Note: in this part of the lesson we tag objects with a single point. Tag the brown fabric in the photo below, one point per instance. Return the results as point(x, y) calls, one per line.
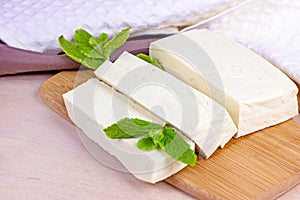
point(13, 60)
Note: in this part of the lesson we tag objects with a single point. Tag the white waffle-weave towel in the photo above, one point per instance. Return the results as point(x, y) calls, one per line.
point(36, 24)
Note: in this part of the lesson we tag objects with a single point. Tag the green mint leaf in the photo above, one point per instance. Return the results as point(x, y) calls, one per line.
point(82, 39)
point(169, 141)
point(176, 147)
point(138, 127)
point(156, 136)
point(94, 42)
point(129, 128)
point(115, 132)
point(149, 60)
point(92, 63)
point(188, 157)
point(71, 50)
point(147, 144)
point(115, 42)
point(103, 37)
point(74, 52)
point(91, 51)
point(97, 46)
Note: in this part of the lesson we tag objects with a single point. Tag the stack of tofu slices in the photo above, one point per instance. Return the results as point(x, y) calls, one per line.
point(210, 90)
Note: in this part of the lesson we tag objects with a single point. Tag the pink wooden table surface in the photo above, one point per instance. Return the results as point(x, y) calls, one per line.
point(41, 156)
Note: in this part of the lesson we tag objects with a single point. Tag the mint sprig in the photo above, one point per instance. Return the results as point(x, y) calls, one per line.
point(147, 144)
point(115, 42)
point(154, 136)
point(176, 147)
point(131, 128)
point(150, 60)
point(92, 51)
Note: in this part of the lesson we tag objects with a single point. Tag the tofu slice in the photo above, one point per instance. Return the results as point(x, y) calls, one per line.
point(197, 116)
point(94, 105)
point(255, 93)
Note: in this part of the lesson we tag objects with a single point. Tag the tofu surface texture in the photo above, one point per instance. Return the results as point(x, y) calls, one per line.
point(255, 93)
point(94, 105)
point(197, 116)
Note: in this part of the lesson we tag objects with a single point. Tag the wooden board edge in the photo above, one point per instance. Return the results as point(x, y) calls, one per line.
point(195, 192)
point(298, 85)
point(199, 193)
point(59, 107)
point(281, 189)
point(46, 99)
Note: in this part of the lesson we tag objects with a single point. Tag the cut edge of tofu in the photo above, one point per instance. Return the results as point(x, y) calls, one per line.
point(94, 130)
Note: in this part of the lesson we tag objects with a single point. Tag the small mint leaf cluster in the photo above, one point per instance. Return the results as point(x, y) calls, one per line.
point(153, 136)
point(92, 51)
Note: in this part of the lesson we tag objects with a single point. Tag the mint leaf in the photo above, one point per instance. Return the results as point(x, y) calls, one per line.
point(103, 37)
point(93, 42)
point(188, 157)
point(138, 127)
point(147, 144)
point(156, 136)
point(74, 52)
point(92, 63)
point(176, 147)
point(91, 51)
point(169, 141)
point(82, 39)
point(115, 42)
point(97, 46)
point(130, 128)
point(149, 60)
point(115, 132)
point(71, 50)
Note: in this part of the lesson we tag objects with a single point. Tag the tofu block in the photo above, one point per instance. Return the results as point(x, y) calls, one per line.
point(94, 105)
point(255, 93)
point(197, 116)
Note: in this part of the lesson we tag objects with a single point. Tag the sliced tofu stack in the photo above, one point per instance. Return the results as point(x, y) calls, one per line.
point(199, 117)
point(255, 93)
point(93, 106)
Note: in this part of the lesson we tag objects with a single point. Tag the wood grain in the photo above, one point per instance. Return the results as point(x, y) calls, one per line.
point(298, 96)
point(263, 165)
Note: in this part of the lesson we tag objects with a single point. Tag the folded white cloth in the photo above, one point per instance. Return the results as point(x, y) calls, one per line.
point(36, 24)
point(269, 27)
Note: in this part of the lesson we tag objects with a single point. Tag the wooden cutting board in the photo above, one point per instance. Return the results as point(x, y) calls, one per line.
point(262, 165)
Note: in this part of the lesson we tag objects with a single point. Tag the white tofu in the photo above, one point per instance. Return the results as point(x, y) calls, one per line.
point(93, 106)
point(255, 93)
point(197, 116)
